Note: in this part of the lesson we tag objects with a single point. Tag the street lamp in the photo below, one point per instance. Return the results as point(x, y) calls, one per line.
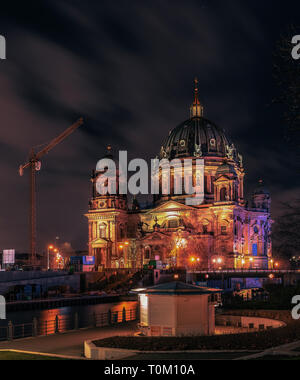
point(50, 248)
point(251, 261)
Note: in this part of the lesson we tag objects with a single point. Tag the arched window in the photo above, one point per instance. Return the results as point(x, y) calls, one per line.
point(147, 253)
point(223, 194)
point(224, 227)
point(102, 230)
point(205, 225)
point(173, 223)
point(121, 232)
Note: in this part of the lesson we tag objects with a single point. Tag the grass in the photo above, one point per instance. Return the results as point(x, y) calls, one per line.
point(10, 355)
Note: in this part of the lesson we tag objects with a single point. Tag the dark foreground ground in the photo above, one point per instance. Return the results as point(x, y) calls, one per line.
point(190, 356)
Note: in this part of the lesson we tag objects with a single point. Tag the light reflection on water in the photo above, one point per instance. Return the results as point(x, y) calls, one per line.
point(85, 312)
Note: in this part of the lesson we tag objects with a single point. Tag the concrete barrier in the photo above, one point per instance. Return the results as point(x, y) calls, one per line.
point(105, 353)
point(248, 322)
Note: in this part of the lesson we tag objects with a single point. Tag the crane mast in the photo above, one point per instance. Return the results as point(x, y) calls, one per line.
point(34, 165)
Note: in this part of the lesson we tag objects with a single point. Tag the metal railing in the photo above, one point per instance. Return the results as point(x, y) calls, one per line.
point(236, 270)
point(64, 323)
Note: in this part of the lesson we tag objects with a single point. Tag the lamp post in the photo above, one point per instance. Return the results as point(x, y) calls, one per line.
point(55, 250)
point(251, 261)
point(50, 248)
point(243, 262)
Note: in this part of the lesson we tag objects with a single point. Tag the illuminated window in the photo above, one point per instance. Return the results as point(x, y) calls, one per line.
point(147, 253)
point(223, 194)
point(223, 230)
point(144, 309)
point(121, 231)
point(254, 249)
point(102, 230)
point(173, 223)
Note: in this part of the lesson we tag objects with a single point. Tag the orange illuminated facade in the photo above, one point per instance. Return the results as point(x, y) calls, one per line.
point(225, 231)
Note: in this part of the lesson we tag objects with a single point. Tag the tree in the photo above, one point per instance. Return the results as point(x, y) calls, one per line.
point(197, 256)
point(286, 231)
point(286, 72)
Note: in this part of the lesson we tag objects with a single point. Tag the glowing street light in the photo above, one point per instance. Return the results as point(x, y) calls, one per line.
point(50, 248)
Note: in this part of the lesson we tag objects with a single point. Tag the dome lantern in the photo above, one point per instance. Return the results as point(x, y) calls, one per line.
point(196, 109)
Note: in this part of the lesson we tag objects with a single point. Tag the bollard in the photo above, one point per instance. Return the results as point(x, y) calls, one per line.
point(34, 327)
point(124, 315)
point(56, 325)
point(76, 321)
point(10, 330)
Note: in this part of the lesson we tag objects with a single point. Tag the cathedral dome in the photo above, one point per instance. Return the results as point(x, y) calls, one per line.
point(198, 137)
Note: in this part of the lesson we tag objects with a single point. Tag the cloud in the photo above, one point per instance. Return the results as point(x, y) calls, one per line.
point(128, 69)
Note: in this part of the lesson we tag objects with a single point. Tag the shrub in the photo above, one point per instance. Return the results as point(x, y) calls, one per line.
point(246, 341)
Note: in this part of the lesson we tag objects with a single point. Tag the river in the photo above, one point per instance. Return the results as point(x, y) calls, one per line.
point(85, 312)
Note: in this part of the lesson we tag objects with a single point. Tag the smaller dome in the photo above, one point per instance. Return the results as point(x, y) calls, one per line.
point(111, 156)
point(261, 189)
point(109, 153)
point(225, 168)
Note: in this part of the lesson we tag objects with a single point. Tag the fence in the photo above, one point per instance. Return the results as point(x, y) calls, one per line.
point(63, 323)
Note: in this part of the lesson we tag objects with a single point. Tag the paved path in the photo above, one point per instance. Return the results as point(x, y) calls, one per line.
point(289, 349)
point(70, 343)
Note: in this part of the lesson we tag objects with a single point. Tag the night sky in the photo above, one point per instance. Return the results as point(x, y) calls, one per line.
point(128, 67)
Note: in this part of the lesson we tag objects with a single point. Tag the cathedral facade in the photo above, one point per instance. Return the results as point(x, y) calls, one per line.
point(224, 232)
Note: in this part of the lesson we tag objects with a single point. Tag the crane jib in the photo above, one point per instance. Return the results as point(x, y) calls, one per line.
point(34, 164)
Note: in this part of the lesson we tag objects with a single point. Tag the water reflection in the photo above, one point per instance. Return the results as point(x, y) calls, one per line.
point(67, 318)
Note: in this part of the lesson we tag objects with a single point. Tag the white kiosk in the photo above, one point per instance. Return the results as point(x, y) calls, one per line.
point(177, 309)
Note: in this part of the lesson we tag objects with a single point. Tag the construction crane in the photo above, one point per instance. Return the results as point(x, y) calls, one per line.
point(34, 164)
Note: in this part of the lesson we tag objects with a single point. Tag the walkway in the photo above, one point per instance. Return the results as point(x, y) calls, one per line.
point(70, 343)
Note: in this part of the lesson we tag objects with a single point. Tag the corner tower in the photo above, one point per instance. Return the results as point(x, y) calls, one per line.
point(107, 222)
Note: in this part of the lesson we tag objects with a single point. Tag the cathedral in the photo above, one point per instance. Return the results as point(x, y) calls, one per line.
point(224, 232)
